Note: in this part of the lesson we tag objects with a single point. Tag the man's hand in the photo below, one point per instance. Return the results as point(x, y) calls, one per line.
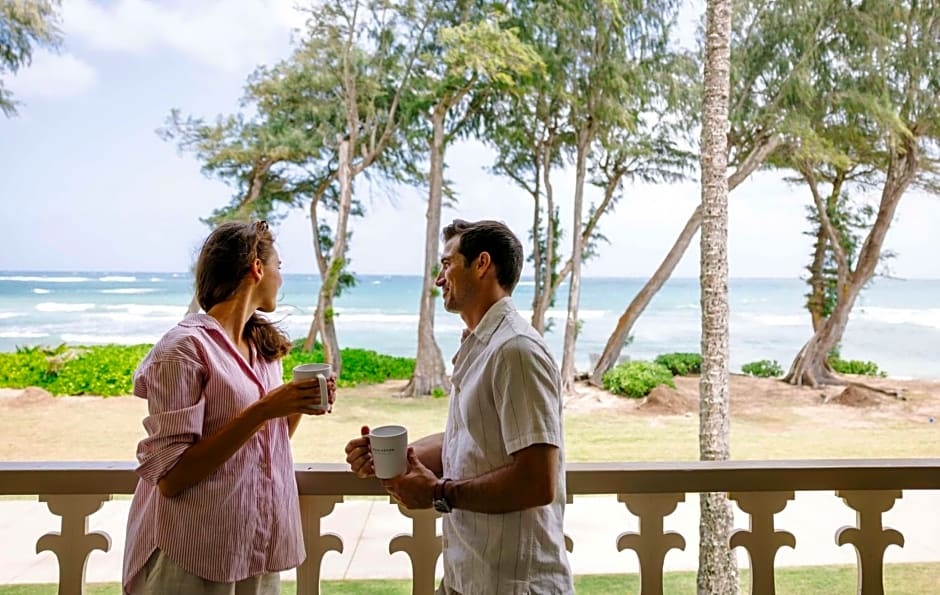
point(359, 456)
point(415, 487)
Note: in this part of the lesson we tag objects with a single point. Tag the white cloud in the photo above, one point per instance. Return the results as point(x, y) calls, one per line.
point(233, 35)
point(53, 75)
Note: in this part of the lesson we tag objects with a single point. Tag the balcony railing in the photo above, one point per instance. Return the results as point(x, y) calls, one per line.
point(650, 491)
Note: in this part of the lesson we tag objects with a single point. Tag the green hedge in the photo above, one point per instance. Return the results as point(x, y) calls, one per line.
point(680, 364)
point(636, 379)
point(764, 368)
point(360, 366)
point(108, 370)
point(854, 366)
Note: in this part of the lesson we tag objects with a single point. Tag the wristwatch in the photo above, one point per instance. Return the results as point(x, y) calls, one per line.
point(440, 499)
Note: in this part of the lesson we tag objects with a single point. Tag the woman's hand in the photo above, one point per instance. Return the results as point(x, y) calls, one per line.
point(300, 396)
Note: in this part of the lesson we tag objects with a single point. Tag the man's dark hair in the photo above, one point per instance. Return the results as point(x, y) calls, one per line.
point(494, 238)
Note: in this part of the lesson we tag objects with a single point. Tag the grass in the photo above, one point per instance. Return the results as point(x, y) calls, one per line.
point(899, 579)
point(603, 437)
point(54, 431)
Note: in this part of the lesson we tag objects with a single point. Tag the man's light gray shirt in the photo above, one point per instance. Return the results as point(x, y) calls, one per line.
point(506, 396)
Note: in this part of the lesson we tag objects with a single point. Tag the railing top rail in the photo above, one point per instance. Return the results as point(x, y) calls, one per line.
point(26, 478)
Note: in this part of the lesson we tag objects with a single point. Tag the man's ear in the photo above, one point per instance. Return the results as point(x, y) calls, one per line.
point(483, 264)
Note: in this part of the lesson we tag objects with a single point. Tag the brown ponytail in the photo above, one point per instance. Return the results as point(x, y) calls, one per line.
point(224, 261)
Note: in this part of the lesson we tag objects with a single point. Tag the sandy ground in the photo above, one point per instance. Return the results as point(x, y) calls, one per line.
point(88, 426)
point(755, 398)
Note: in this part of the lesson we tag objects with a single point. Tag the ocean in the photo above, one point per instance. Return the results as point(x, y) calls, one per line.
point(896, 323)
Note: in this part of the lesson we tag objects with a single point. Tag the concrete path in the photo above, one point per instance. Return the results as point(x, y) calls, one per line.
point(593, 522)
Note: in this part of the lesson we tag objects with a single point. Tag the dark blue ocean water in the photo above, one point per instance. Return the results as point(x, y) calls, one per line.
point(896, 323)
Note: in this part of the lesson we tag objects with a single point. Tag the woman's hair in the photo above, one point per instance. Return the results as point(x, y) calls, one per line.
point(225, 259)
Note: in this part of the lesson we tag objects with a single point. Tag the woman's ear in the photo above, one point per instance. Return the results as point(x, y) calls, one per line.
point(257, 269)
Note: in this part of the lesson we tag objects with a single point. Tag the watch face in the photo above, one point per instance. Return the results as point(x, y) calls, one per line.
point(441, 505)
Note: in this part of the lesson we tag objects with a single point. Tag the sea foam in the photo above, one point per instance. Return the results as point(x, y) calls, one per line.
point(58, 307)
point(32, 279)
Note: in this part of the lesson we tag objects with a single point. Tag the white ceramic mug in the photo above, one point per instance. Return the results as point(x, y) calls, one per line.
point(389, 445)
point(321, 372)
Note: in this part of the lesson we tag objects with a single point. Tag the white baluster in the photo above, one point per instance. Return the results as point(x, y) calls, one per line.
point(312, 511)
point(650, 543)
point(762, 541)
point(868, 536)
point(73, 544)
point(423, 546)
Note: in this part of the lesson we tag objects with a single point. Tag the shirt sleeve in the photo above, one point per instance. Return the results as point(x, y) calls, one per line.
point(174, 393)
point(528, 395)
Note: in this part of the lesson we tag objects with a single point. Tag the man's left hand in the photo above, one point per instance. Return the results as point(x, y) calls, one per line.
point(415, 487)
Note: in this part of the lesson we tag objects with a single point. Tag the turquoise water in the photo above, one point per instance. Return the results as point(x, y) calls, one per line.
point(896, 323)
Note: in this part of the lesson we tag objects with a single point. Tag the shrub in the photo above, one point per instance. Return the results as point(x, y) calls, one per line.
point(637, 379)
point(26, 367)
point(108, 370)
point(105, 370)
point(360, 366)
point(854, 366)
point(681, 364)
point(764, 368)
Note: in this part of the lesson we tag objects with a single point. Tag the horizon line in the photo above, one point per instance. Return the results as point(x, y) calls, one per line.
point(384, 274)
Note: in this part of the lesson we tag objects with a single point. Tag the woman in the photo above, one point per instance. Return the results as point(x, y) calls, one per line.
point(216, 509)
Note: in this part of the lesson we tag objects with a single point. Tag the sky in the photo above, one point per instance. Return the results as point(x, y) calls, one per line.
point(89, 186)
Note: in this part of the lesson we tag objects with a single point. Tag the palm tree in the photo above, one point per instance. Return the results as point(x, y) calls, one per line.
point(717, 571)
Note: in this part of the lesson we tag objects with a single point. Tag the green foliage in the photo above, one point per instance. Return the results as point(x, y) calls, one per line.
point(764, 368)
point(859, 367)
point(360, 366)
point(108, 370)
point(438, 392)
point(637, 379)
point(24, 25)
point(105, 370)
point(681, 364)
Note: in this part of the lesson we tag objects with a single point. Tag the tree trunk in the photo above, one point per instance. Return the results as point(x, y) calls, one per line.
point(543, 294)
point(577, 248)
point(717, 572)
point(538, 322)
point(430, 372)
point(327, 329)
point(817, 280)
point(324, 317)
point(615, 343)
point(638, 305)
point(811, 365)
point(321, 266)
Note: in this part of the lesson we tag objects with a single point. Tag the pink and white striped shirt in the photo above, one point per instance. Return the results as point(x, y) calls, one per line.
point(244, 518)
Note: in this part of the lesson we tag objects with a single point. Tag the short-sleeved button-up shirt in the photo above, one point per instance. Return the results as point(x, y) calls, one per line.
point(506, 396)
point(243, 519)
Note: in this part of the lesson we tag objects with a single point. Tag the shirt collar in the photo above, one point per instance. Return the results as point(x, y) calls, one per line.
point(493, 318)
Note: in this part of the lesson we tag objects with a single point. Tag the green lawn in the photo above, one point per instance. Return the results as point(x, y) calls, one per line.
point(900, 579)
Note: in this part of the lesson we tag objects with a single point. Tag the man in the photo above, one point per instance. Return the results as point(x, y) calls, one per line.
point(497, 472)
